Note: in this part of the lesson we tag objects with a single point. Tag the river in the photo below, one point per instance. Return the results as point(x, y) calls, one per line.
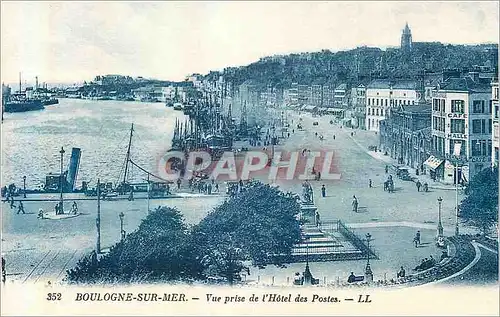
point(31, 141)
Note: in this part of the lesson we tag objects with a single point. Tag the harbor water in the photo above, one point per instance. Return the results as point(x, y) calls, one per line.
point(31, 141)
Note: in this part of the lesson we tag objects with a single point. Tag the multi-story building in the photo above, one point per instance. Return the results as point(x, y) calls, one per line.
point(316, 96)
point(303, 94)
point(461, 118)
point(382, 94)
point(328, 96)
point(340, 96)
point(495, 135)
point(405, 134)
point(357, 104)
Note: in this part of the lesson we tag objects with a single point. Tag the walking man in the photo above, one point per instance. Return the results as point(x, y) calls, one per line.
point(418, 237)
point(370, 182)
point(386, 169)
point(318, 220)
point(323, 190)
point(178, 183)
point(354, 203)
point(418, 185)
point(20, 208)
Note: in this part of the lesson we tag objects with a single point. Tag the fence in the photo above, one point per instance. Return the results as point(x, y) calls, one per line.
point(349, 234)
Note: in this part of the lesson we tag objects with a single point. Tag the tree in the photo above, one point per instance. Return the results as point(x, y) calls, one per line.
point(259, 225)
point(159, 249)
point(480, 207)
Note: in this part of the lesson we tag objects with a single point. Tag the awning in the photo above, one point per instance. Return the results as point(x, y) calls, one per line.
point(433, 162)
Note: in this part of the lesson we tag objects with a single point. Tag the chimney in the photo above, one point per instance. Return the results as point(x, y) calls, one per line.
point(36, 82)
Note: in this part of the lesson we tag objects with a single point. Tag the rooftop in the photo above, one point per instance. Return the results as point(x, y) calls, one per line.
point(466, 84)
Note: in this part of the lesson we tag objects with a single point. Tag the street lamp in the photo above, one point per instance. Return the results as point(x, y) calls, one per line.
point(24, 186)
point(122, 232)
point(61, 206)
point(440, 225)
point(368, 270)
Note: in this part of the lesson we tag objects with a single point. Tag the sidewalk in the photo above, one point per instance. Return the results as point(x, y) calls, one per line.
point(423, 178)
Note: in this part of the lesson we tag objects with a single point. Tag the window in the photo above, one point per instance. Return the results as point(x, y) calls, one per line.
point(489, 148)
point(435, 104)
point(496, 94)
point(478, 106)
point(457, 126)
point(413, 102)
point(476, 126)
point(442, 105)
point(452, 146)
point(377, 101)
point(476, 147)
point(386, 102)
point(496, 111)
point(382, 111)
point(483, 126)
point(377, 112)
point(457, 106)
point(490, 126)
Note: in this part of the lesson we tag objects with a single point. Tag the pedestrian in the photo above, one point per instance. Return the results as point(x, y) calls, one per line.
point(210, 189)
point(323, 190)
point(354, 203)
point(334, 136)
point(318, 176)
point(415, 242)
point(4, 273)
point(352, 134)
point(289, 134)
point(418, 184)
point(401, 272)
point(20, 208)
point(318, 220)
point(386, 169)
point(40, 213)
point(293, 130)
point(56, 208)
point(418, 236)
point(426, 187)
point(370, 182)
point(178, 183)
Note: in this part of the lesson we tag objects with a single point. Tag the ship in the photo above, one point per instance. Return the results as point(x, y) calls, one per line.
point(22, 104)
point(50, 101)
point(22, 101)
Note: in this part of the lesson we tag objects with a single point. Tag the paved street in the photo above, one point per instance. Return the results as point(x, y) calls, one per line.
point(357, 166)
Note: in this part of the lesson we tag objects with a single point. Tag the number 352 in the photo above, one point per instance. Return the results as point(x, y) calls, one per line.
point(54, 296)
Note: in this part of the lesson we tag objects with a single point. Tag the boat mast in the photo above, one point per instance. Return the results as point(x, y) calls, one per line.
point(128, 154)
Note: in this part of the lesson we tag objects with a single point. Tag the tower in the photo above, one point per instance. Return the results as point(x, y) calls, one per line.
point(406, 41)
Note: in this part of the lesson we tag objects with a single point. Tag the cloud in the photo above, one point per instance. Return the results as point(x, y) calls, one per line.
point(62, 41)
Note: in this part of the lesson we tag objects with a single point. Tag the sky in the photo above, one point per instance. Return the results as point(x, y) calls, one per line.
point(74, 41)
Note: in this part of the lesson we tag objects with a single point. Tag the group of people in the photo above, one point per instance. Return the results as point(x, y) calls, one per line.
point(203, 187)
point(425, 186)
point(426, 263)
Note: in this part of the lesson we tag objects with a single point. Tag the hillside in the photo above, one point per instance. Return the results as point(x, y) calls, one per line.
point(362, 63)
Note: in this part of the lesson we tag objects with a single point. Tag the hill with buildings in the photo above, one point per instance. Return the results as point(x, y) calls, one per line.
point(363, 64)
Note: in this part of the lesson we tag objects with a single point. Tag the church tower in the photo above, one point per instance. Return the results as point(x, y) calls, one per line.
point(406, 41)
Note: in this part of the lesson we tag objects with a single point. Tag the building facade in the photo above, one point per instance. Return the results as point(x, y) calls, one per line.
point(495, 135)
point(384, 94)
point(406, 134)
point(461, 117)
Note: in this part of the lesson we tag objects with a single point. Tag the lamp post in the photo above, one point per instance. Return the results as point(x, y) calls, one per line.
point(122, 232)
point(440, 225)
point(368, 270)
point(24, 186)
point(61, 206)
